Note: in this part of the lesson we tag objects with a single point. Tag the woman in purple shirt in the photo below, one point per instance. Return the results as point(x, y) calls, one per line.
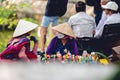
point(63, 42)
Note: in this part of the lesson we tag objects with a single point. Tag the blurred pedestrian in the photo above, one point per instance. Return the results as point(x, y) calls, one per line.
point(54, 10)
point(97, 9)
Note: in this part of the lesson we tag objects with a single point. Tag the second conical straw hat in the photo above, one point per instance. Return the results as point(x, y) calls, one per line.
point(64, 28)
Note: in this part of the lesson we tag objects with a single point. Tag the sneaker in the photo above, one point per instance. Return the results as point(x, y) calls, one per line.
point(41, 54)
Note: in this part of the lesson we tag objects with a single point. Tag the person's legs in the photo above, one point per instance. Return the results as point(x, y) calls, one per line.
point(43, 32)
point(54, 23)
point(98, 14)
point(45, 23)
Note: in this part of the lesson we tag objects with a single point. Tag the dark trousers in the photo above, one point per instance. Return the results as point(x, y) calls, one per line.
point(95, 45)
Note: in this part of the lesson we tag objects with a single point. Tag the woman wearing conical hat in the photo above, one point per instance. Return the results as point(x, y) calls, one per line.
point(63, 42)
point(18, 48)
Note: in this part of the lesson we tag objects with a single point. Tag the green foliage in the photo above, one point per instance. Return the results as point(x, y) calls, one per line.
point(8, 16)
point(31, 20)
point(2, 46)
point(24, 5)
point(4, 39)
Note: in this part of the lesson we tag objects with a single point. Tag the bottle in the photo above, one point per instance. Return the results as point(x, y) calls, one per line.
point(93, 57)
point(84, 56)
point(84, 53)
point(63, 59)
point(69, 56)
point(90, 59)
point(59, 56)
point(73, 58)
point(87, 58)
point(54, 58)
point(47, 58)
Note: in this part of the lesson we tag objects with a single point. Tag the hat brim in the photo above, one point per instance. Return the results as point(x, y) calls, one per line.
point(24, 27)
point(104, 7)
point(64, 28)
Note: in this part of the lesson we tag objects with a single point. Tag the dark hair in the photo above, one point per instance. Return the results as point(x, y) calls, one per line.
point(80, 6)
point(113, 11)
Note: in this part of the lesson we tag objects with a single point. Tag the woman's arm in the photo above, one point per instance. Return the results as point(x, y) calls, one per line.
point(51, 46)
point(35, 47)
point(23, 57)
point(74, 48)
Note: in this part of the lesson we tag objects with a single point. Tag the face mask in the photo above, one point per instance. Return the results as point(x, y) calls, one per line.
point(60, 35)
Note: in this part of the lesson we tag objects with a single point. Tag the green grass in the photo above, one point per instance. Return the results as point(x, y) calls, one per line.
point(5, 36)
point(4, 39)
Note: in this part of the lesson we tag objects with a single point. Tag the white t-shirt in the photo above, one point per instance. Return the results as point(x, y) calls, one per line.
point(112, 19)
point(82, 24)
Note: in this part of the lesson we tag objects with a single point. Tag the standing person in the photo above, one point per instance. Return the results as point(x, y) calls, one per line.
point(97, 9)
point(54, 10)
point(18, 48)
point(83, 25)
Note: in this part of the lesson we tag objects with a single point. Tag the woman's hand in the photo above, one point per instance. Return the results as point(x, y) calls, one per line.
point(33, 38)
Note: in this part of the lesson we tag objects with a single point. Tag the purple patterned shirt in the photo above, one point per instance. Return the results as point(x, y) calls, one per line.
point(56, 45)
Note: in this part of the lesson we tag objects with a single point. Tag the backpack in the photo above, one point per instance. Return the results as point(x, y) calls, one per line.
point(12, 51)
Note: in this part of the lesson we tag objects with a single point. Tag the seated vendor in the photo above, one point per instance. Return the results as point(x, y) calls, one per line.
point(63, 42)
point(19, 48)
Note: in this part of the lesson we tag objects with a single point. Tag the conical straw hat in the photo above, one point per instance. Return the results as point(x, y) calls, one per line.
point(64, 28)
point(23, 27)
